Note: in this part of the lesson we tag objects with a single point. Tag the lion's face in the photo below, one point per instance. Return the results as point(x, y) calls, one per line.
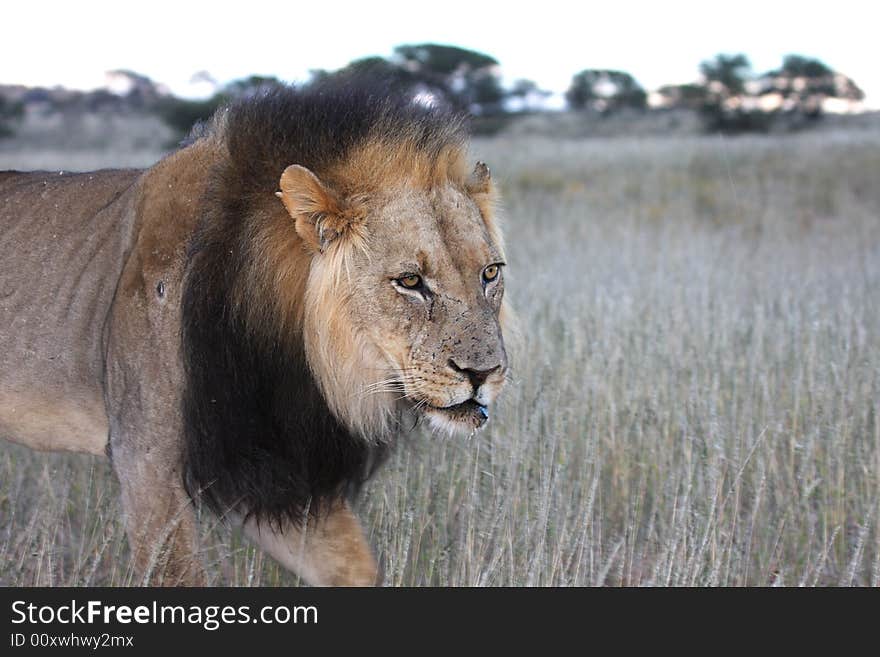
point(428, 293)
point(403, 301)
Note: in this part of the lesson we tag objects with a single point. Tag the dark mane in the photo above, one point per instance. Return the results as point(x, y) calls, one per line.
point(319, 126)
point(259, 436)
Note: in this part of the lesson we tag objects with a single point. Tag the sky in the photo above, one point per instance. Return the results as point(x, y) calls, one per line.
point(73, 43)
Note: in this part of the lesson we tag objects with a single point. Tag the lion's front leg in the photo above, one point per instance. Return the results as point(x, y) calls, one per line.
point(330, 550)
point(159, 519)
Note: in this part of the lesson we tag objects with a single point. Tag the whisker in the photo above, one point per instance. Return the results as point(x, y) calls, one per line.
point(391, 369)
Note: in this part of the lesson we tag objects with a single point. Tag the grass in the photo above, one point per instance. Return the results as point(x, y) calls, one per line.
point(696, 396)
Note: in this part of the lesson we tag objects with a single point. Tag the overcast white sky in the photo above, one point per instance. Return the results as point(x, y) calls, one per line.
point(73, 43)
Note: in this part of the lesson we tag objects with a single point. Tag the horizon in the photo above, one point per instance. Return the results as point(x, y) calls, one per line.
point(664, 45)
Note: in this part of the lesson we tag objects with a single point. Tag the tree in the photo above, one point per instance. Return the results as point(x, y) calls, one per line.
point(683, 96)
point(726, 75)
point(464, 79)
point(249, 86)
point(10, 113)
point(138, 90)
point(443, 60)
point(803, 84)
point(182, 114)
point(605, 91)
point(395, 77)
point(786, 98)
point(471, 78)
point(525, 95)
point(727, 106)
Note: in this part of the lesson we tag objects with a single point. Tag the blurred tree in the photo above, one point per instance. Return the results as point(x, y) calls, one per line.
point(443, 60)
point(683, 96)
point(375, 65)
point(138, 90)
point(182, 114)
point(803, 84)
point(605, 91)
point(471, 78)
point(726, 75)
point(726, 107)
point(784, 99)
point(522, 88)
point(10, 113)
point(395, 76)
point(806, 67)
point(525, 96)
point(437, 74)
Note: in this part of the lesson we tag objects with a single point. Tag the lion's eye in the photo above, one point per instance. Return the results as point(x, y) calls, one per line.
point(411, 281)
point(490, 273)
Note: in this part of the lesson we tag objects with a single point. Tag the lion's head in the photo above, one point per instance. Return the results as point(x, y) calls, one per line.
point(405, 289)
point(369, 286)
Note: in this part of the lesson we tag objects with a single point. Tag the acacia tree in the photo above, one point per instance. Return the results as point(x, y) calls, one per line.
point(605, 91)
point(785, 98)
point(804, 84)
point(471, 79)
point(725, 81)
point(464, 79)
point(726, 75)
point(393, 78)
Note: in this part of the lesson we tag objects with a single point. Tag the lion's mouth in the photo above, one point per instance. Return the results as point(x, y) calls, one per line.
point(469, 412)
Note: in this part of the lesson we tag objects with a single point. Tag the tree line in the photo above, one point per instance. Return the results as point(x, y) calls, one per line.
point(729, 96)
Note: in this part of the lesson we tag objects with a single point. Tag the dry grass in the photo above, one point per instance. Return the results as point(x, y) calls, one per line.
point(696, 400)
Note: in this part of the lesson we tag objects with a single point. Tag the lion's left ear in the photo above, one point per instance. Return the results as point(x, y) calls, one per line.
point(314, 207)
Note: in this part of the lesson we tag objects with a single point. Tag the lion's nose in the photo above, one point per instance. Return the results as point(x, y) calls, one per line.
point(476, 377)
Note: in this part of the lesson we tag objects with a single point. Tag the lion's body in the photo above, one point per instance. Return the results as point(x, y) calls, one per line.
point(84, 253)
point(63, 238)
point(201, 333)
point(89, 352)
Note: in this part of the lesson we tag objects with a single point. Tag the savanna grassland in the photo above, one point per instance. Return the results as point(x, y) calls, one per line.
point(695, 400)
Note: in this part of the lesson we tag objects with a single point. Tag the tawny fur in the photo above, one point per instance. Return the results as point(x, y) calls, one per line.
point(93, 273)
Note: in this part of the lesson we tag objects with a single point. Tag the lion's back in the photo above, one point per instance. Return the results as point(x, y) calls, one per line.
point(63, 240)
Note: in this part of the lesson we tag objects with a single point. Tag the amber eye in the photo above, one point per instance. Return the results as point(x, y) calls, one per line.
point(490, 273)
point(411, 281)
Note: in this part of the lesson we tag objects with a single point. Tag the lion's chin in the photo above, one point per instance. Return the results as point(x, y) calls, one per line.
point(464, 418)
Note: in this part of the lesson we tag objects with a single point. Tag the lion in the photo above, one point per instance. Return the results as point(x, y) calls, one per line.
point(251, 323)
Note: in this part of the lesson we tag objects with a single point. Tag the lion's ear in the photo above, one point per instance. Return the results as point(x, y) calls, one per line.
point(479, 186)
point(479, 183)
point(313, 206)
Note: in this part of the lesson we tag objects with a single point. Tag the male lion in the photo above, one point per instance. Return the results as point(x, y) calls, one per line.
point(250, 348)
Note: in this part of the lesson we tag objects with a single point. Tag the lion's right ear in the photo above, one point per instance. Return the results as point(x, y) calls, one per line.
point(479, 183)
point(313, 206)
